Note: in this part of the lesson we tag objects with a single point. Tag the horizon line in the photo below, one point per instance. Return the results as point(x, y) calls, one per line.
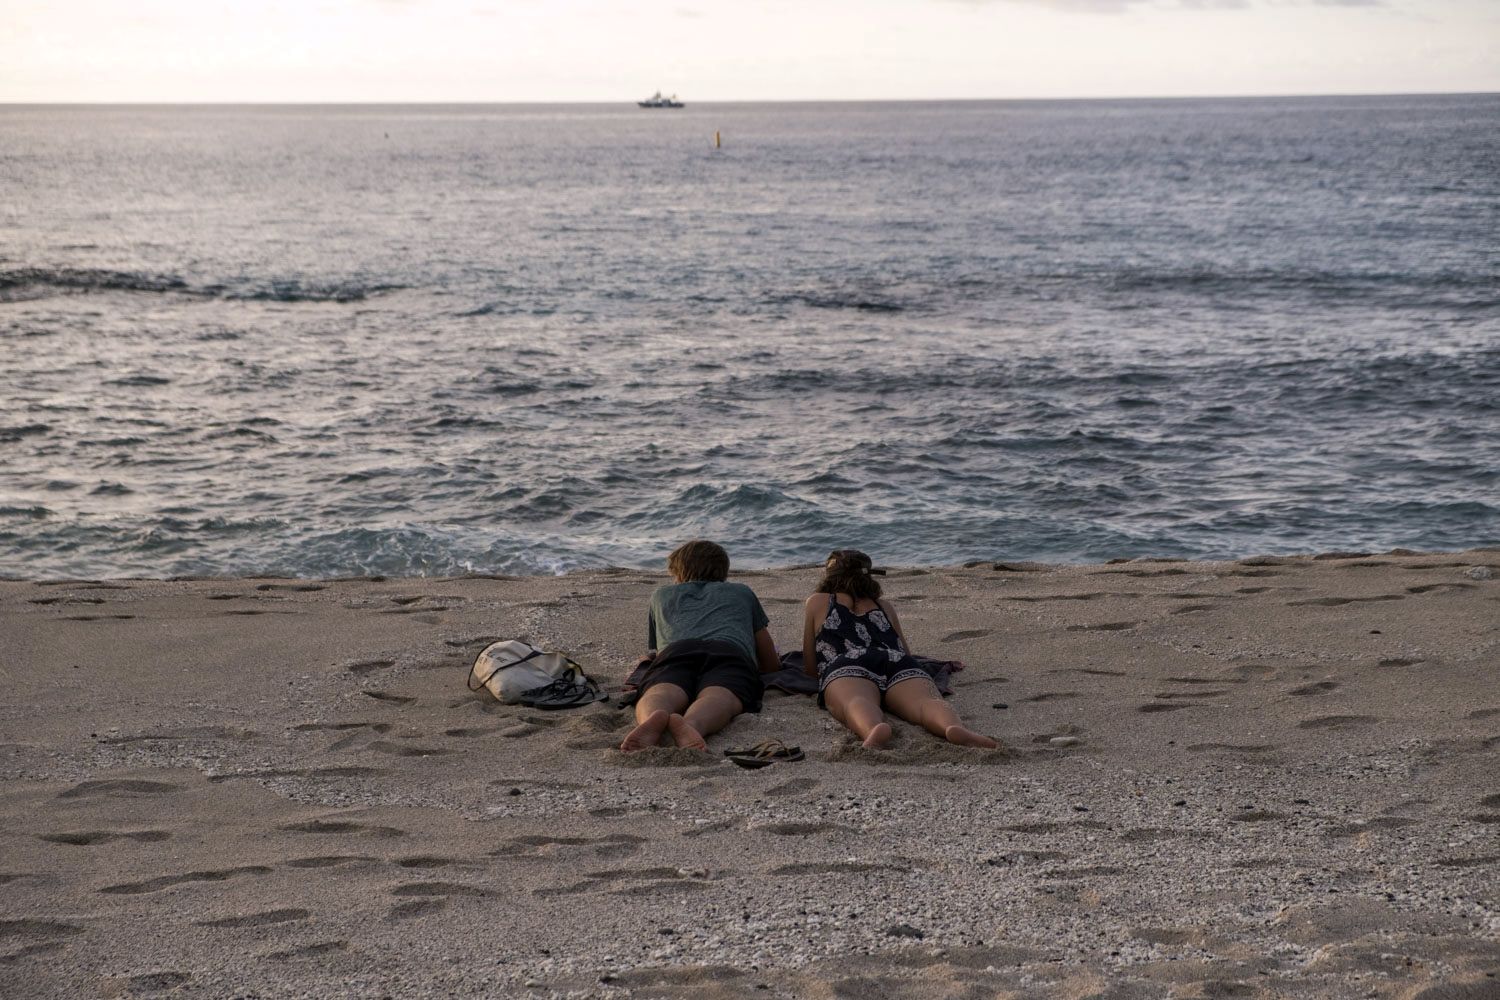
point(724, 101)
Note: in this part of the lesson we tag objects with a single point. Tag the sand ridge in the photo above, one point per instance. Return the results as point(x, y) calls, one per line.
point(1270, 777)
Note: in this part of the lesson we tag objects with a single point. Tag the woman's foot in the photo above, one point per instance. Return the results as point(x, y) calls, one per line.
point(878, 736)
point(960, 736)
point(648, 733)
point(685, 735)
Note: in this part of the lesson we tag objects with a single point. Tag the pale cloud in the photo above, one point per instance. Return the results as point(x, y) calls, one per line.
point(1120, 6)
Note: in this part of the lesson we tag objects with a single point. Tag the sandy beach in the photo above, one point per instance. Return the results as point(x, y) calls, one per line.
point(1283, 781)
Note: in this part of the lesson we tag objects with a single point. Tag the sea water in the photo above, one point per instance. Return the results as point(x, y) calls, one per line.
point(431, 339)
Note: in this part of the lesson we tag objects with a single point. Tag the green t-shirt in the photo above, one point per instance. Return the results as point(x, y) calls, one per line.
point(704, 609)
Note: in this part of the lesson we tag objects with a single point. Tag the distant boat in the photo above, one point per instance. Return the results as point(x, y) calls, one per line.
point(658, 101)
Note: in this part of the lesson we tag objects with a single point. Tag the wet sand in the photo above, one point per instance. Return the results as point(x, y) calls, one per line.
point(1281, 778)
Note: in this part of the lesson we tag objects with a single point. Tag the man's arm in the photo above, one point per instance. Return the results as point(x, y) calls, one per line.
point(765, 652)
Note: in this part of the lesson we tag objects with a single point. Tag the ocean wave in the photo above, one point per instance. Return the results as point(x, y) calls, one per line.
point(29, 283)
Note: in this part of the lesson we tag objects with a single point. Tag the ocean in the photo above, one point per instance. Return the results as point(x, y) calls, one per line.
point(414, 340)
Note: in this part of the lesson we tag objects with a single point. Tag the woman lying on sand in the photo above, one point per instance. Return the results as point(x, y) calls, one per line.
point(852, 642)
point(714, 646)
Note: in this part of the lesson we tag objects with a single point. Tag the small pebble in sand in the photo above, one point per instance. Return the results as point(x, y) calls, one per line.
point(904, 930)
point(1064, 741)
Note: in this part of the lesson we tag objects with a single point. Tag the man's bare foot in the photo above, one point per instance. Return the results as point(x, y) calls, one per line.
point(685, 735)
point(878, 737)
point(968, 738)
point(647, 734)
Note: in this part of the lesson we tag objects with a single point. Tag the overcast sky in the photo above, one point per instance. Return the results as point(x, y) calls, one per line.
point(712, 50)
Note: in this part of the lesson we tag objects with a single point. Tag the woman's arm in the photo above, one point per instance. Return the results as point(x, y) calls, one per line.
point(890, 612)
point(810, 633)
point(765, 652)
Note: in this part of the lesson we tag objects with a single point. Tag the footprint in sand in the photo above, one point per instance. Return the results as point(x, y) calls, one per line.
point(426, 861)
point(416, 908)
point(341, 826)
point(1483, 713)
point(318, 950)
point(1188, 608)
point(796, 786)
point(1369, 826)
point(622, 843)
point(11, 930)
point(1104, 627)
point(167, 881)
point(1190, 694)
point(337, 727)
point(1053, 696)
point(331, 861)
point(978, 633)
point(389, 699)
point(156, 982)
point(301, 772)
point(1490, 802)
point(368, 666)
point(1204, 680)
point(840, 868)
point(1048, 826)
point(87, 838)
point(97, 618)
point(801, 829)
point(1429, 588)
point(470, 733)
point(1399, 662)
point(1480, 861)
point(115, 787)
point(407, 750)
point(1334, 602)
point(1321, 687)
point(1256, 816)
point(264, 919)
point(441, 889)
point(1157, 706)
point(1337, 722)
point(1240, 748)
point(1151, 835)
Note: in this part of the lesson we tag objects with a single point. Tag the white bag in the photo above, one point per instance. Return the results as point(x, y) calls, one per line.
point(509, 668)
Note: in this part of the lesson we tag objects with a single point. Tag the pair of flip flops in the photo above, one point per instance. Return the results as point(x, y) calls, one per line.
point(565, 692)
point(764, 754)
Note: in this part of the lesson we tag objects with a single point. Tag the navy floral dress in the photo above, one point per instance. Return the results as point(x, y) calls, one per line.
point(867, 646)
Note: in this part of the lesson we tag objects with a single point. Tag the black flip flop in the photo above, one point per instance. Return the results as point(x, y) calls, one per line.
point(764, 754)
point(561, 693)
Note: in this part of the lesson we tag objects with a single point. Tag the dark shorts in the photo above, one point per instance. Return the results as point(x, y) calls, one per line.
point(694, 664)
point(876, 667)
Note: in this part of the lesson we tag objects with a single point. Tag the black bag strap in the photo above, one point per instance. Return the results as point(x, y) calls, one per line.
point(470, 680)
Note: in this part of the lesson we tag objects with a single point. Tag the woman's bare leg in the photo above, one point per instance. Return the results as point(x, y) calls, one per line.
point(653, 712)
point(917, 700)
point(855, 702)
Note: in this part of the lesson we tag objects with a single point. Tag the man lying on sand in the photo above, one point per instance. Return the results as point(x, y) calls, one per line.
point(852, 642)
point(714, 645)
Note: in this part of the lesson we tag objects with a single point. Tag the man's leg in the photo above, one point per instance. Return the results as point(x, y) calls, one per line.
point(655, 708)
point(710, 712)
point(855, 702)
